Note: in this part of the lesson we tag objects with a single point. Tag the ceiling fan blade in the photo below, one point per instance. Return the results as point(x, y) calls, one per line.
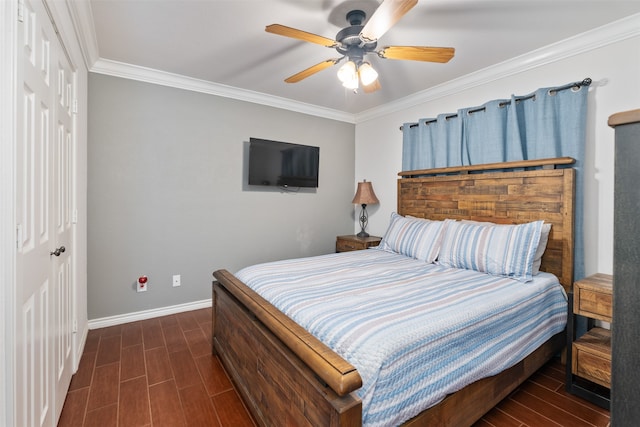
point(311, 70)
point(372, 87)
point(300, 35)
point(418, 53)
point(385, 17)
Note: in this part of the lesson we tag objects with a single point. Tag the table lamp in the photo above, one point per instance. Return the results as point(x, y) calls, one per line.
point(364, 196)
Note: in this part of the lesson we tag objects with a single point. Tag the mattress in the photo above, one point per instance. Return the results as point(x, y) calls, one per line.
point(415, 331)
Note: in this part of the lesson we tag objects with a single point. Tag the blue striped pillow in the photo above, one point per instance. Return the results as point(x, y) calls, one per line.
point(501, 250)
point(414, 237)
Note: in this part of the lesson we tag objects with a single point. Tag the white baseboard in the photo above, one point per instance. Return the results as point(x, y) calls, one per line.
point(147, 314)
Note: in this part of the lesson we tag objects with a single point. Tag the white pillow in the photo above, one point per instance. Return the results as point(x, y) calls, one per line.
point(414, 237)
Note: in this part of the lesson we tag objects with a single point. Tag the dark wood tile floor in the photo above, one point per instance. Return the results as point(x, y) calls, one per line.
point(543, 401)
point(156, 372)
point(160, 372)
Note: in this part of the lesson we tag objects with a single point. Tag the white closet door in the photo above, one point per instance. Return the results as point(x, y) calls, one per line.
point(43, 208)
point(62, 204)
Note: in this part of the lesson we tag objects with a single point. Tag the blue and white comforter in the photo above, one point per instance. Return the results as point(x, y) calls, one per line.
point(415, 331)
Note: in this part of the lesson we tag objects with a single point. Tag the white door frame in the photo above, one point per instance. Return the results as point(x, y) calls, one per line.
point(8, 21)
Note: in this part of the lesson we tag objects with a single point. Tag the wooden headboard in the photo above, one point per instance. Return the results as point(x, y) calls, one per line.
point(513, 195)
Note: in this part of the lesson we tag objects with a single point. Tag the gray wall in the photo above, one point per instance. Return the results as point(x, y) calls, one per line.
point(167, 192)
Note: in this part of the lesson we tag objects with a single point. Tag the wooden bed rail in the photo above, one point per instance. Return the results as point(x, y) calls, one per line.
point(337, 373)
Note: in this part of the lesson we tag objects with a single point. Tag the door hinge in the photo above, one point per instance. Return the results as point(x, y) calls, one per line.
point(75, 326)
point(19, 236)
point(74, 106)
point(20, 10)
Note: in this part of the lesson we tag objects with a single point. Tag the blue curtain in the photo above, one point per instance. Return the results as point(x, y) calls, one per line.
point(551, 122)
point(443, 149)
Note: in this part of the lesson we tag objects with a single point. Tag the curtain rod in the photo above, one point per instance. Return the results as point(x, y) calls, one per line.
point(576, 85)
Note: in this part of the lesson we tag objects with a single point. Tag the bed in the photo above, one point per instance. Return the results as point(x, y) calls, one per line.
point(287, 376)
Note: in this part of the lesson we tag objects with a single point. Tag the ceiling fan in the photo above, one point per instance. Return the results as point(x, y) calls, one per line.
point(356, 41)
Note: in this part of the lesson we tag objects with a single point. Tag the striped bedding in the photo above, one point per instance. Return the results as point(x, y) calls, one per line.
point(415, 331)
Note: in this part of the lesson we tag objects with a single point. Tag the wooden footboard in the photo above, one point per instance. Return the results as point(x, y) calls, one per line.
point(284, 374)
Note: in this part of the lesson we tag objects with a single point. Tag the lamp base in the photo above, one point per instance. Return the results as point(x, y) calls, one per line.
point(364, 219)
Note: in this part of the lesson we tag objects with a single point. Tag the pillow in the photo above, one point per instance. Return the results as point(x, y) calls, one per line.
point(501, 250)
point(542, 245)
point(414, 237)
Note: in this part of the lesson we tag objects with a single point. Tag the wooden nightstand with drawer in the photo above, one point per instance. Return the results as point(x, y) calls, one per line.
point(589, 356)
point(355, 243)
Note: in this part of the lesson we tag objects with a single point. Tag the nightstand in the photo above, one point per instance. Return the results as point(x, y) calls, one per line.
point(589, 356)
point(355, 243)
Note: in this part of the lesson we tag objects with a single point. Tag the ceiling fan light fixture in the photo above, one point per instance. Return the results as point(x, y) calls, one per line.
point(367, 74)
point(348, 72)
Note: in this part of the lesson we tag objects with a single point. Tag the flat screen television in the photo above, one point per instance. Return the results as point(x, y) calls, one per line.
point(283, 164)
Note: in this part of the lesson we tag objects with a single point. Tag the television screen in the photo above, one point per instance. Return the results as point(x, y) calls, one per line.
point(282, 164)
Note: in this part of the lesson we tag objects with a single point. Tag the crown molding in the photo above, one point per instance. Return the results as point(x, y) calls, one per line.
point(611, 33)
point(149, 75)
point(602, 36)
point(82, 18)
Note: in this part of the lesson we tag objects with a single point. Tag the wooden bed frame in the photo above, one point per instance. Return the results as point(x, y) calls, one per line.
point(287, 377)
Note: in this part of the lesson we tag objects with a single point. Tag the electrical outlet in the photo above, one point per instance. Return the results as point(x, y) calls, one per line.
point(142, 284)
point(176, 280)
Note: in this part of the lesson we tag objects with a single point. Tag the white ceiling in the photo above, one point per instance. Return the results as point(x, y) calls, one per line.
point(224, 42)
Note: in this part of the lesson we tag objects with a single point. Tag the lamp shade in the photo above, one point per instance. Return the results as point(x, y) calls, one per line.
point(365, 195)
point(348, 72)
point(351, 84)
point(367, 74)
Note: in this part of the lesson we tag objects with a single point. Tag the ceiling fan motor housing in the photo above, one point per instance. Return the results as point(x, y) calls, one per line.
point(349, 41)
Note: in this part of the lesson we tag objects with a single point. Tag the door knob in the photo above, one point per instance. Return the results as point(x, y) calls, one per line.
point(58, 251)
